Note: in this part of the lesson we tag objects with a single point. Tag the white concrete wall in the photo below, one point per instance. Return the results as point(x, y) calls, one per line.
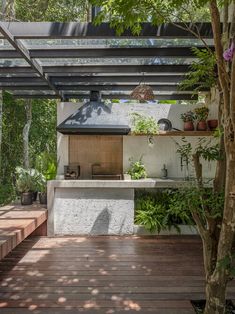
point(164, 149)
point(64, 110)
point(162, 152)
point(93, 211)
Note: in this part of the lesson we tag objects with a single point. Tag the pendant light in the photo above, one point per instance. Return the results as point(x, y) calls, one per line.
point(142, 92)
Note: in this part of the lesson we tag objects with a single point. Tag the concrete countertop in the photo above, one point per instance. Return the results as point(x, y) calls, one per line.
point(143, 183)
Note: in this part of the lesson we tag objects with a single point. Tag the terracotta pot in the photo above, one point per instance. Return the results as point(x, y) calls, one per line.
point(201, 126)
point(188, 126)
point(212, 124)
point(26, 198)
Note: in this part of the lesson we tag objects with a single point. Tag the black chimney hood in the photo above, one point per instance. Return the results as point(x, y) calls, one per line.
point(93, 118)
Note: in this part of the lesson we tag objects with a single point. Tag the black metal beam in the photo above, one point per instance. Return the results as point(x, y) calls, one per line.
point(20, 80)
point(88, 30)
point(107, 96)
point(140, 52)
point(117, 69)
point(118, 79)
point(160, 88)
point(19, 46)
point(93, 79)
point(63, 70)
point(17, 69)
point(81, 88)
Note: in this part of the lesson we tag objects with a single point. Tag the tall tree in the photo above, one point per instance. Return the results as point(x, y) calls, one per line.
point(217, 235)
point(26, 129)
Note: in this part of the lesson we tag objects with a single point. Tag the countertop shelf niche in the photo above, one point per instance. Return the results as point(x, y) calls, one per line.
point(179, 133)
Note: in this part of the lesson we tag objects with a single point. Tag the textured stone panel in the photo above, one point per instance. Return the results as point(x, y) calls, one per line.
point(93, 211)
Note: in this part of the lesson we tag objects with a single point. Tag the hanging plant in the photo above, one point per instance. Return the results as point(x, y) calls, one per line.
point(143, 92)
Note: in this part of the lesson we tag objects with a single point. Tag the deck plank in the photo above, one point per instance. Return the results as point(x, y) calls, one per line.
point(17, 223)
point(103, 275)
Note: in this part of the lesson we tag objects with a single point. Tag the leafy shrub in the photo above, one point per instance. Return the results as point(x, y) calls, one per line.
point(144, 125)
point(7, 194)
point(165, 209)
point(137, 169)
point(151, 212)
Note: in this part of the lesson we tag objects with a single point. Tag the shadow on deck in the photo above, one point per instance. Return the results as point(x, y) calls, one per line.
point(103, 275)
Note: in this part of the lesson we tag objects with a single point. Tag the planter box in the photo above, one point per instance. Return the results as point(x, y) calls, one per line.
point(185, 230)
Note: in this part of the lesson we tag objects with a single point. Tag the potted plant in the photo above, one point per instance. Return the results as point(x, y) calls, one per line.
point(24, 185)
point(46, 164)
point(145, 125)
point(201, 116)
point(212, 124)
point(42, 188)
point(137, 169)
point(35, 175)
point(188, 118)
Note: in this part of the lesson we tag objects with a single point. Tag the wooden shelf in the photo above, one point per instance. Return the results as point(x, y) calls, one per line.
point(179, 133)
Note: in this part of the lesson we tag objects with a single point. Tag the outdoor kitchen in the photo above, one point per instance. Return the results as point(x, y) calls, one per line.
point(93, 193)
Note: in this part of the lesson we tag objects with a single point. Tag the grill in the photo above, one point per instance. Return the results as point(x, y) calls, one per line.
point(103, 172)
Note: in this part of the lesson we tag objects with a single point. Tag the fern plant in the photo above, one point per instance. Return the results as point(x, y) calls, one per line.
point(202, 73)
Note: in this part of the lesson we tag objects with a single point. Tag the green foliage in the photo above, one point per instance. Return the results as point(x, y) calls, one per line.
point(202, 113)
point(52, 10)
point(29, 180)
point(157, 211)
point(137, 169)
point(7, 194)
point(47, 165)
point(124, 14)
point(208, 149)
point(144, 125)
point(151, 213)
point(42, 137)
point(203, 201)
point(171, 102)
point(184, 150)
point(188, 116)
point(202, 73)
point(24, 180)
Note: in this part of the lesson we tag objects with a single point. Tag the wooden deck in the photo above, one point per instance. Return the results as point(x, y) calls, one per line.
point(18, 222)
point(103, 275)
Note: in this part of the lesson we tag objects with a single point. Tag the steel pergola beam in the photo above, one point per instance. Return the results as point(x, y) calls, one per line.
point(107, 96)
point(92, 69)
point(53, 30)
point(86, 68)
point(104, 79)
point(129, 52)
point(81, 88)
point(18, 45)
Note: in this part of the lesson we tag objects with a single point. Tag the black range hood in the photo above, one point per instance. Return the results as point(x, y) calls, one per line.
point(93, 118)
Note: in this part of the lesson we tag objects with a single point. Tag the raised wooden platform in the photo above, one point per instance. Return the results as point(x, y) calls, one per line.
point(18, 222)
point(103, 275)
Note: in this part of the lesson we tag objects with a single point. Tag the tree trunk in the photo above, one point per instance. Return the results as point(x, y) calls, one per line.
point(215, 297)
point(1, 105)
point(28, 109)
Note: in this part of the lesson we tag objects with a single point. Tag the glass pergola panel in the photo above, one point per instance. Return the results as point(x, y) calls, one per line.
point(4, 44)
point(13, 62)
point(113, 61)
point(118, 42)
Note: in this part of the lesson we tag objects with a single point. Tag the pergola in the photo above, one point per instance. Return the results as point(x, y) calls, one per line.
point(68, 60)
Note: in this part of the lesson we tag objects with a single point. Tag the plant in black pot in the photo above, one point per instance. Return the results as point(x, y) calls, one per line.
point(46, 164)
point(42, 188)
point(24, 185)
